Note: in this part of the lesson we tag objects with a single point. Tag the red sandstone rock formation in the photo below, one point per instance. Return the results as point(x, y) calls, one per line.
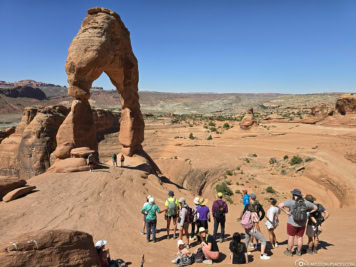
point(346, 104)
point(77, 130)
point(103, 45)
point(248, 120)
point(7, 184)
point(49, 248)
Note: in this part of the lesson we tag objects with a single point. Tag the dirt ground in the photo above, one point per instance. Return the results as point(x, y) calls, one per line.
point(107, 203)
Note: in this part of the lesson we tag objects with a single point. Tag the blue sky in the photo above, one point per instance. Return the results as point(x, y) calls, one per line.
point(299, 46)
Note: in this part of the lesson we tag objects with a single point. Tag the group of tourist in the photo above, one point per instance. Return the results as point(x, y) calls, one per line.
point(302, 213)
point(91, 161)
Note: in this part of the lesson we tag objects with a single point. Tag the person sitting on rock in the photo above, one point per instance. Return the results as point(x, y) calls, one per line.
point(208, 245)
point(184, 255)
point(91, 161)
point(114, 160)
point(104, 255)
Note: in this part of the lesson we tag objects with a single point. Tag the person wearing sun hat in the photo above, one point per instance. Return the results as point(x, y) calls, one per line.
point(194, 223)
point(151, 211)
point(219, 210)
point(203, 213)
point(144, 215)
point(298, 213)
point(184, 257)
point(104, 254)
point(183, 225)
point(314, 225)
point(208, 245)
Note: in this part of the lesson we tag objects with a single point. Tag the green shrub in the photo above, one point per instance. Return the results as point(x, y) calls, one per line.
point(253, 155)
point(238, 168)
point(285, 157)
point(308, 159)
point(228, 199)
point(191, 136)
point(272, 161)
point(226, 125)
point(230, 173)
point(283, 172)
point(206, 127)
point(213, 129)
point(296, 160)
point(211, 123)
point(224, 188)
point(209, 137)
point(237, 191)
point(228, 182)
point(270, 190)
point(237, 183)
point(246, 160)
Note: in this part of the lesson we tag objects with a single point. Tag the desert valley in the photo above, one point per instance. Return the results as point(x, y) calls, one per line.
point(195, 144)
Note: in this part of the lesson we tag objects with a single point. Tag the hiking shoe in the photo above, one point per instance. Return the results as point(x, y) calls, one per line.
point(148, 241)
point(142, 233)
point(154, 241)
point(310, 251)
point(221, 240)
point(276, 245)
point(175, 237)
point(208, 262)
point(250, 245)
point(264, 257)
point(188, 246)
point(299, 253)
point(315, 251)
point(168, 237)
point(288, 253)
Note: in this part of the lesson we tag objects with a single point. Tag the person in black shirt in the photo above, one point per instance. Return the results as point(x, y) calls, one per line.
point(238, 250)
point(314, 225)
point(209, 246)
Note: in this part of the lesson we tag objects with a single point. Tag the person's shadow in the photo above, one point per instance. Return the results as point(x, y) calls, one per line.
point(325, 245)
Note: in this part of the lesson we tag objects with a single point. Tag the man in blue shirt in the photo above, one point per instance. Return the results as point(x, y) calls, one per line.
point(246, 198)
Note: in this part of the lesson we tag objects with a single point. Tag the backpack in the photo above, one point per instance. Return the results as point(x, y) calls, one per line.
point(185, 261)
point(220, 212)
point(318, 215)
point(189, 217)
point(300, 211)
point(199, 256)
point(246, 220)
point(172, 208)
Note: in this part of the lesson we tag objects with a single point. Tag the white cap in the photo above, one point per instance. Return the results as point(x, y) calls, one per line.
point(149, 196)
point(180, 242)
point(196, 200)
point(100, 243)
point(182, 200)
point(151, 200)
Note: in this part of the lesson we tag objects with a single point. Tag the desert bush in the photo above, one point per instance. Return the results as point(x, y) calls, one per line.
point(211, 123)
point(228, 199)
point(296, 160)
point(213, 129)
point(252, 155)
point(226, 125)
point(285, 157)
point(237, 191)
point(270, 189)
point(191, 136)
point(238, 168)
point(206, 127)
point(237, 183)
point(308, 159)
point(246, 160)
point(283, 172)
point(209, 137)
point(224, 188)
point(230, 173)
point(228, 182)
point(272, 161)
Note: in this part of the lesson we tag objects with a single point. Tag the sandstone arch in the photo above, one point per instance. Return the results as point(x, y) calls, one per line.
point(103, 45)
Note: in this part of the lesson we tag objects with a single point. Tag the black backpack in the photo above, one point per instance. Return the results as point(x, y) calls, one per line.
point(220, 212)
point(300, 211)
point(318, 215)
point(189, 217)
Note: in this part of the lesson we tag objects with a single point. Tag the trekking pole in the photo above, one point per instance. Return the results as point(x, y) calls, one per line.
point(143, 260)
